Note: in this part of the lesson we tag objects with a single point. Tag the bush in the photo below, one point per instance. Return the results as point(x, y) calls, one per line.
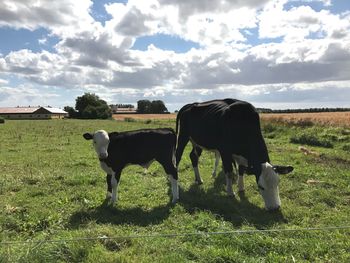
point(310, 139)
point(346, 147)
point(269, 127)
point(128, 119)
point(304, 123)
point(2, 120)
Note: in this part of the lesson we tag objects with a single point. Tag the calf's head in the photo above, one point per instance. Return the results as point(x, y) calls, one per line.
point(268, 181)
point(100, 141)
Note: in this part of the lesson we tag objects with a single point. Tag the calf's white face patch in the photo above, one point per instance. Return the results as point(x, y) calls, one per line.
point(100, 142)
point(268, 187)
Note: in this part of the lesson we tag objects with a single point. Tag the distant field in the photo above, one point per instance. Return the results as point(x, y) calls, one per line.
point(121, 117)
point(322, 118)
point(52, 190)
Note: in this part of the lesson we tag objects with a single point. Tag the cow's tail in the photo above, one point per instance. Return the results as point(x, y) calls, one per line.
point(179, 115)
point(177, 121)
point(174, 151)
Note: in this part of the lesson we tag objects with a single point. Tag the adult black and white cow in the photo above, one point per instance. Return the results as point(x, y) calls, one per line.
point(116, 150)
point(232, 129)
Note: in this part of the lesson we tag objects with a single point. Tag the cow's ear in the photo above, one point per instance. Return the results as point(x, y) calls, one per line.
point(88, 136)
point(282, 169)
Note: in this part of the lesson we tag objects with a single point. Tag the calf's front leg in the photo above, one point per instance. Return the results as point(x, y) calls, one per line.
point(115, 183)
point(109, 186)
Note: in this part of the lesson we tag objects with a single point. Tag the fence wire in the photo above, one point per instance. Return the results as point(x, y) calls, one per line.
point(173, 235)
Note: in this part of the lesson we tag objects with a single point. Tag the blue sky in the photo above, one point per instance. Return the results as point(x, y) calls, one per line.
point(275, 54)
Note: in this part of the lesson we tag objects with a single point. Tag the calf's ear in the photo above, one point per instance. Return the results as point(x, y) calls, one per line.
point(282, 169)
point(88, 136)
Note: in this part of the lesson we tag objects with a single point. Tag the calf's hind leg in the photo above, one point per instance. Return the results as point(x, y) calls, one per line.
point(171, 171)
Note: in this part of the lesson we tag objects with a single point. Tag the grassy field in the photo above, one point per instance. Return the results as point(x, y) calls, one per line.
point(51, 188)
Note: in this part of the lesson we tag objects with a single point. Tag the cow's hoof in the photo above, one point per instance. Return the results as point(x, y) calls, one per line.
point(213, 175)
point(199, 182)
point(174, 201)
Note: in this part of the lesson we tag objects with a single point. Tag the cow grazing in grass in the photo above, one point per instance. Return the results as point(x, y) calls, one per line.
point(232, 129)
point(116, 150)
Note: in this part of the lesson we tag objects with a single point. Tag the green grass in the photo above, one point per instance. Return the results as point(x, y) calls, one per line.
point(51, 187)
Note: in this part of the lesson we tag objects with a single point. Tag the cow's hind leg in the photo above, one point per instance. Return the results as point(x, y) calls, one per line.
point(217, 160)
point(182, 141)
point(194, 156)
point(240, 178)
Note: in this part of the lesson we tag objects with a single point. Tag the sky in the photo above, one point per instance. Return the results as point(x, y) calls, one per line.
point(273, 53)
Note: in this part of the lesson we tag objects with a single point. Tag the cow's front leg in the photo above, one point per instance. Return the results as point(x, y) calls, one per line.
point(109, 186)
point(230, 176)
point(115, 183)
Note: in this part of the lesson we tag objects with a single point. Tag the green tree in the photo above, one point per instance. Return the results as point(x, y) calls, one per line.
point(146, 106)
point(143, 106)
point(157, 106)
point(72, 113)
point(90, 106)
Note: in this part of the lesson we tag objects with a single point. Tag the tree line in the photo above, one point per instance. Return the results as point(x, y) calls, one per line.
point(155, 106)
point(90, 106)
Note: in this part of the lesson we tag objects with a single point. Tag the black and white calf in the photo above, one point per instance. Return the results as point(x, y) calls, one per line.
point(118, 149)
point(231, 128)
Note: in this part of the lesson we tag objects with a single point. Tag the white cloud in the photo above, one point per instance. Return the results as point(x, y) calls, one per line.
point(64, 17)
point(25, 95)
point(310, 48)
point(301, 22)
point(3, 82)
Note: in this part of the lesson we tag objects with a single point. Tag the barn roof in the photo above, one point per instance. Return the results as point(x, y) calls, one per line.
point(29, 110)
point(55, 110)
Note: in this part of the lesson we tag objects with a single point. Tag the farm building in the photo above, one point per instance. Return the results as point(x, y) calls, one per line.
point(32, 113)
point(123, 109)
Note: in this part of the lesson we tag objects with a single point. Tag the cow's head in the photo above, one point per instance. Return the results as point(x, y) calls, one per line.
point(100, 141)
point(268, 184)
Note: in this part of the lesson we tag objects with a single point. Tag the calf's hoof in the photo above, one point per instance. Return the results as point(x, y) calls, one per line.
point(231, 194)
point(108, 195)
point(213, 175)
point(198, 182)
